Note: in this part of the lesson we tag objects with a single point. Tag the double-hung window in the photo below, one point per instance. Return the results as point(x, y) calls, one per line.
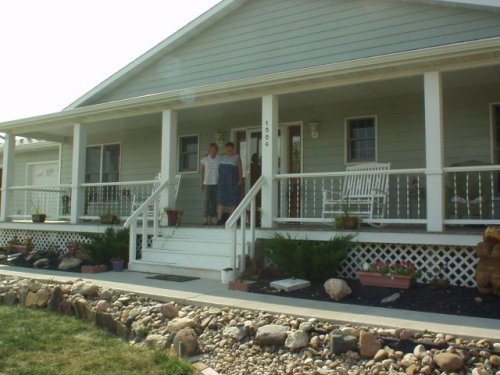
point(361, 139)
point(188, 153)
point(102, 165)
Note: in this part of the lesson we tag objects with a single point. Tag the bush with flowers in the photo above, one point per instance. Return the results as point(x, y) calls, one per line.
point(403, 267)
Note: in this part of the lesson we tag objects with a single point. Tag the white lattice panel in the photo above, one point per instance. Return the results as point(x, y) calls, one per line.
point(41, 239)
point(455, 263)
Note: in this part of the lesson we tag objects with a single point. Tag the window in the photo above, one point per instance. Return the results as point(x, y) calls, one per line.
point(188, 156)
point(495, 115)
point(361, 139)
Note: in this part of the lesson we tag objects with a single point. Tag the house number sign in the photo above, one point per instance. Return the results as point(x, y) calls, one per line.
point(266, 136)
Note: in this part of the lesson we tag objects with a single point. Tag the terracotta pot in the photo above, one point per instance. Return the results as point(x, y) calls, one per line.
point(173, 218)
point(239, 285)
point(94, 269)
point(394, 281)
point(349, 222)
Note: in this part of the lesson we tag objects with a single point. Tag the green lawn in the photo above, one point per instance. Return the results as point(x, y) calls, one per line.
point(38, 342)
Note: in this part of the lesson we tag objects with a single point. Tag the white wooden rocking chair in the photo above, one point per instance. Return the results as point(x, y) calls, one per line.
point(364, 193)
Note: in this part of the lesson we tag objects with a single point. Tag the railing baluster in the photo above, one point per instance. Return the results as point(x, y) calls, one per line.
point(418, 196)
point(314, 198)
point(480, 196)
point(398, 195)
point(253, 220)
point(289, 197)
point(467, 195)
point(455, 194)
point(408, 197)
point(492, 195)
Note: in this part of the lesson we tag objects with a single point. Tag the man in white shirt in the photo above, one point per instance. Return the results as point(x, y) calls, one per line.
point(209, 176)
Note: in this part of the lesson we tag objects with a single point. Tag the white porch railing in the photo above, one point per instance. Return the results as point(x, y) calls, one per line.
point(54, 201)
point(115, 198)
point(301, 197)
point(240, 214)
point(143, 214)
point(472, 194)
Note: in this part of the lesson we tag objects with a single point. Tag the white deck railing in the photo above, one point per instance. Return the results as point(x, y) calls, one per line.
point(301, 197)
point(117, 198)
point(471, 194)
point(240, 214)
point(54, 201)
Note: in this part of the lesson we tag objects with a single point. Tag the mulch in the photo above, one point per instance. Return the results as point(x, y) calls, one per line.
point(453, 300)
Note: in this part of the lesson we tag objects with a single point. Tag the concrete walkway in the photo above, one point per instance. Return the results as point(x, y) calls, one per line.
point(210, 292)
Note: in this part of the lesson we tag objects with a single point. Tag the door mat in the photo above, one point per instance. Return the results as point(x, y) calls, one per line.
point(176, 278)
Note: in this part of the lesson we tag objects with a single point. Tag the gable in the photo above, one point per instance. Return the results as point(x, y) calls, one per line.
point(264, 37)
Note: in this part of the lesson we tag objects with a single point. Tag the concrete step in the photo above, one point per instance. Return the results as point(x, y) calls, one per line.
point(192, 246)
point(187, 260)
point(167, 268)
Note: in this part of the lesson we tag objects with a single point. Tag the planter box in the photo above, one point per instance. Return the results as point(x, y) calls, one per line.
point(94, 269)
point(240, 285)
point(19, 249)
point(394, 281)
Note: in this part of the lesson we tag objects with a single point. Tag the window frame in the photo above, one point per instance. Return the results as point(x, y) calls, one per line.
point(179, 151)
point(347, 146)
point(101, 145)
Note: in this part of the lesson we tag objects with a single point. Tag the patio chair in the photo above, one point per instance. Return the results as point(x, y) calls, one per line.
point(364, 193)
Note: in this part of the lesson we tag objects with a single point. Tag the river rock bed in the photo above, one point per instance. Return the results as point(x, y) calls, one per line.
point(235, 341)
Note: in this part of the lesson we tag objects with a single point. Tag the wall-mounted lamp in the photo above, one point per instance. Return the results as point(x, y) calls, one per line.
point(219, 140)
point(314, 130)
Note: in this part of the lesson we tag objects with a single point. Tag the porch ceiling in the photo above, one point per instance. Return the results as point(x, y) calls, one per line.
point(489, 75)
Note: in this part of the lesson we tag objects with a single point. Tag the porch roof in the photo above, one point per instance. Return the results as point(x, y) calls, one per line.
point(444, 58)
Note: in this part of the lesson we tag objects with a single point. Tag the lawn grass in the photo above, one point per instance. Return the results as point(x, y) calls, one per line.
point(38, 342)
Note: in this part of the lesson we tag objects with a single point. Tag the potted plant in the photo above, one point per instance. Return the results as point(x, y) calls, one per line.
point(346, 221)
point(109, 219)
point(401, 275)
point(117, 264)
point(16, 245)
point(174, 216)
point(104, 247)
point(227, 275)
point(38, 216)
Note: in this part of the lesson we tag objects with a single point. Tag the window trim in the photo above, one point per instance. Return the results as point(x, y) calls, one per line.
point(493, 132)
point(197, 170)
point(101, 161)
point(346, 139)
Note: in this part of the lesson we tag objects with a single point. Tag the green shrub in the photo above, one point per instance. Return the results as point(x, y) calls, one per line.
point(315, 261)
point(108, 245)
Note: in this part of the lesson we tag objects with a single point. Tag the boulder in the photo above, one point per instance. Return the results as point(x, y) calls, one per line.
point(449, 362)
point(156, 342)
point(83, 311)
point(31, 299)
point(85, 288)
point(271, 334)
point(369, 345)
point(41, 263)
point(55, 298)
point(179, 323)
point(102, 305)
point(43, 296)
point(186, 342)
point(337, 289)
point(297, 340)
point(69, 263)
point(169, 311)
point(236, 333)
point(10, 298)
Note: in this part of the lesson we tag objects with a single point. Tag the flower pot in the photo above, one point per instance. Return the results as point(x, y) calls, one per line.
point(38, 218)
point(227, 276)
point(385, 281)
point(23, 249)
point(94, 269)
point(118, 265)
point(240, 285)
point(349, 222)
point(173, 218)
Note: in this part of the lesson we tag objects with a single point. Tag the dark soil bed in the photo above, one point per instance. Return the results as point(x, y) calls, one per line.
point(452, 300)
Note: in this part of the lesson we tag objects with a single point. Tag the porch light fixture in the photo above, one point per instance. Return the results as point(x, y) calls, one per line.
point(314, 130)
point(219, 140)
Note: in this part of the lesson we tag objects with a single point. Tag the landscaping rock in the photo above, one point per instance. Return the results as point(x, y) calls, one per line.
point(391, 299)
point(341, 344)
point(41, 263)
point(271, 334)
point(85, 288)
point(236, 333)
point(296, 340)
point(337, 289)
point(179, 323)
point(83, 311)
point(31, 300)
point(495, 360)
point(69, 263)
point(43, 296)
point(102, 305)
point(369, 345)
point(55, 298)
point(448, 362)
point(186, 342)
point(419, 351)
point(10, 298)
point(156, 342)
point(169, 311)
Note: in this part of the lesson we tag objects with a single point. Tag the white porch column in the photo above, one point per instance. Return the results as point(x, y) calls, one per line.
point(269, 159)
point(168, 154)
point(433, 97)
point(78, 171)
point(9, 147)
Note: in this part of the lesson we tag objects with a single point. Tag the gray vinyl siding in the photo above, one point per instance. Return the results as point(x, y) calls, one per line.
point(25, 157)
point(264, 37)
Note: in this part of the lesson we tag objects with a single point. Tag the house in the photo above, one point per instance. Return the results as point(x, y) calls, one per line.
point(310, 88)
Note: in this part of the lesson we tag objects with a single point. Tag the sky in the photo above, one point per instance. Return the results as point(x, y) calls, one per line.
point(54, 51)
